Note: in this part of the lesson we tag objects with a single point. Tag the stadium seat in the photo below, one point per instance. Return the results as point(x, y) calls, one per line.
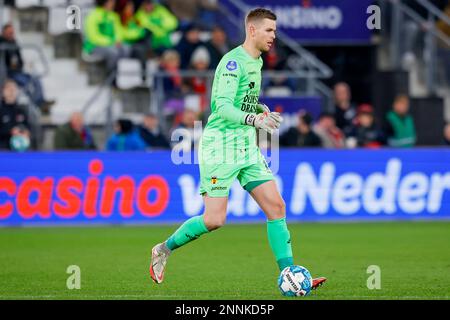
point(32, 17)
point(192, 102)
point(135, 100)
point(95, 67)
point(129, 74)
point(151, 67)
point(57, 20)
point(67, 45)
point(33, 63)
point(279, 91)
point(54, 3)
point(21, 4)
point(83, 3)
point(5, 15)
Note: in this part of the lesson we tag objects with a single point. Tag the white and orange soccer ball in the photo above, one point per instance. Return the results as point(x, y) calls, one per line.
point(295, 281)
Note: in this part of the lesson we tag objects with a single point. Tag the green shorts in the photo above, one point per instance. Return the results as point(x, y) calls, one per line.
point(216, 177)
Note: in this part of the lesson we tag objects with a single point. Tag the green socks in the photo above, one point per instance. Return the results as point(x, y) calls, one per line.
point(277, 232)
point(280, 242)
point(188, 231)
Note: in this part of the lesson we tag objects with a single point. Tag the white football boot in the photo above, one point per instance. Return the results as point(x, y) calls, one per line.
point(160, 254)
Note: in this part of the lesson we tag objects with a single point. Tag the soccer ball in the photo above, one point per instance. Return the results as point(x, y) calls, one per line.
point(295, 281)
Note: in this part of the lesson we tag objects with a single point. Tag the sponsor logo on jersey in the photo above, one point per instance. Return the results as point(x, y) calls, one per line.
point(229, 75)
point(213, 179)
point(251, 85)
point(250, 102)
point(231, 65)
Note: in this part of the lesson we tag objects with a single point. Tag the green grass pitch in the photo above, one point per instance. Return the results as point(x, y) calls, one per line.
point(234, 262)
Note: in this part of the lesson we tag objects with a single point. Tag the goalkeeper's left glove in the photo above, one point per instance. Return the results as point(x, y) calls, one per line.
point(267, 121)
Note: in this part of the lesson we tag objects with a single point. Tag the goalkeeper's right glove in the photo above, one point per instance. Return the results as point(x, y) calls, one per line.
point(267, 121)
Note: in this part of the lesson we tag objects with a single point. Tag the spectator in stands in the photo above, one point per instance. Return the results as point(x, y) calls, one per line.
point(173, 86)
point(447, 134)
point(125, 138)
point(14, 133)
point(74, 135)
point(186, 132)
point(189, 11)
point(187, 45)
point(365, 133)
point(400, 129)
point(151, 133)
point(345, 111)
point(134, 35)
point(20, 138)
point(198, 84)
point(14, 65)
point(104, 34)
point(217, 46)
point(160, 22)
point(302, 135)
point(330, 135)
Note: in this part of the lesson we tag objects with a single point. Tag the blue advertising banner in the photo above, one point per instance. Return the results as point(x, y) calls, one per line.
point(317, 185)
point(290, 107)
point(319, 21)
point(293, 104)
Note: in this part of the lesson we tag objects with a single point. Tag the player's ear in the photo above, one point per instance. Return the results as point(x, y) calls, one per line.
point(251, 29)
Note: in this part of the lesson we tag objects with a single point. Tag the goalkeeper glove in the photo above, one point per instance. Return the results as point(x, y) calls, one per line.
point(267, 121)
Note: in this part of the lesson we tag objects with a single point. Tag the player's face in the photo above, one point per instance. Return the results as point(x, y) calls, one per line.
point(264, 34)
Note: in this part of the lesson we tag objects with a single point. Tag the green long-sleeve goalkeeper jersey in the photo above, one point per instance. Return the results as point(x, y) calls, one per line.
point(235, 94)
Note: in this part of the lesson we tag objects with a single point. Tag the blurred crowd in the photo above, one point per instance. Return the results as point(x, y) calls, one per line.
point(15, 71)
point(352, 126)
point(143, 29)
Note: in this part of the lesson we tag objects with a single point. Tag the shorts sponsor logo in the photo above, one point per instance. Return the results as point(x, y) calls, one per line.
point(218, 188)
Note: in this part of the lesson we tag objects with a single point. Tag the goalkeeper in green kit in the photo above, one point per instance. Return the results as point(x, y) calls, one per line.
point(228, 149)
